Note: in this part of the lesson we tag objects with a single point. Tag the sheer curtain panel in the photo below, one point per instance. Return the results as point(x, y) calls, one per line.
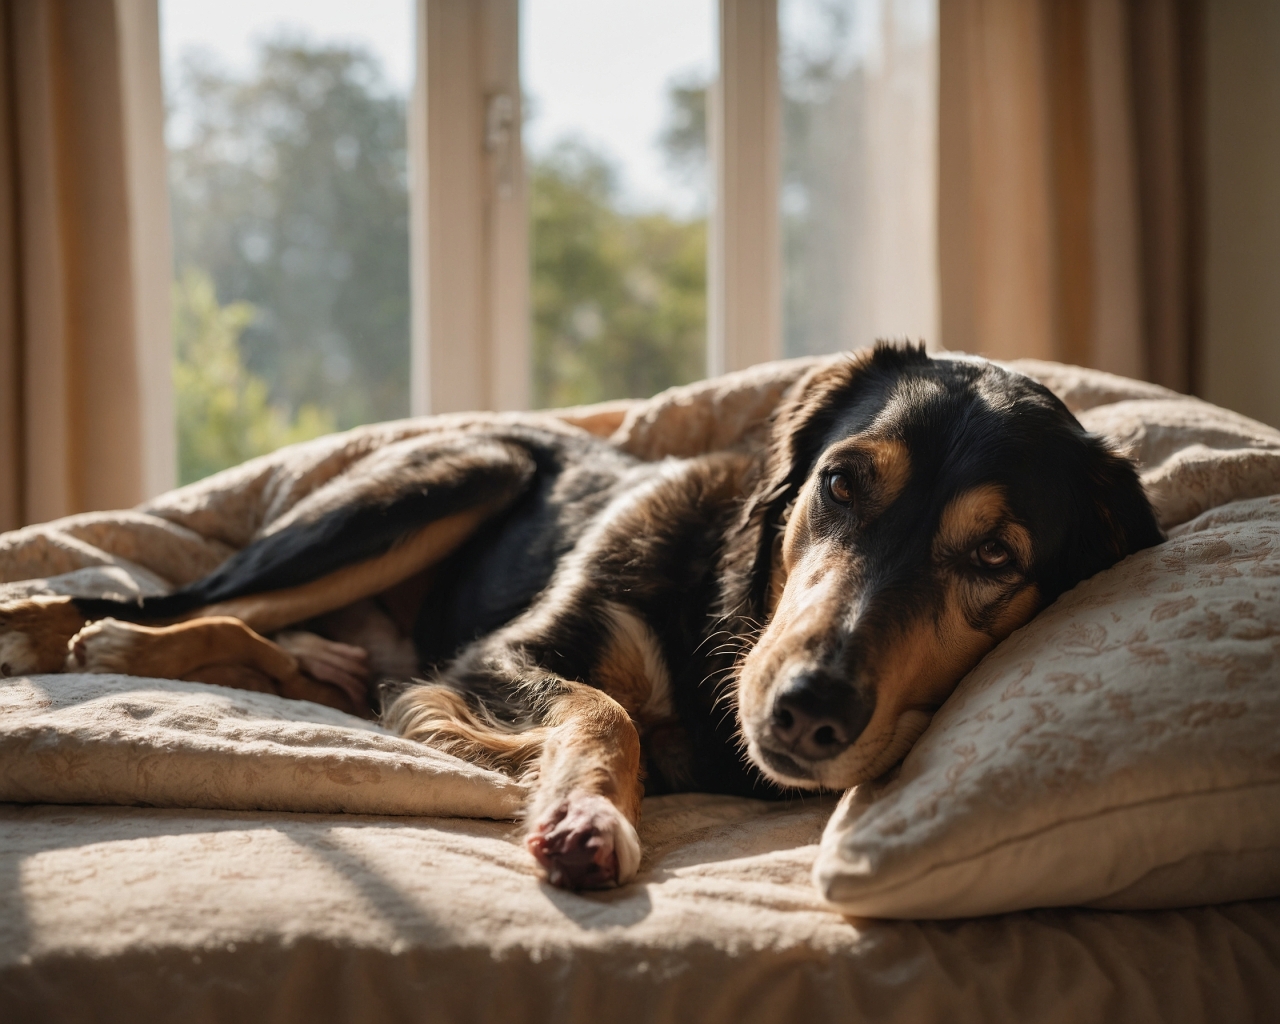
point(85, 392)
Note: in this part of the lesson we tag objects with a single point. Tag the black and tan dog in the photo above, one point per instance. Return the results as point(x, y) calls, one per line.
point(743, 622)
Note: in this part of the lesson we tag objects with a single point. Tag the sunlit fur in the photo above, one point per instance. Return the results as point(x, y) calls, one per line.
point(602, 627)
point(886, 596)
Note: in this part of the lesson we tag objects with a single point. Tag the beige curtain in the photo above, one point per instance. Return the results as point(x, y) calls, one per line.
point(85, 408)
point(1070, 188)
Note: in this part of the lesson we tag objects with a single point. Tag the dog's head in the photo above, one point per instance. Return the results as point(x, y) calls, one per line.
point(912, 513)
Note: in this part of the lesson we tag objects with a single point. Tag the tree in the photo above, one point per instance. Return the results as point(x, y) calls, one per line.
point(290, 191)
point(224, 413)
point(619, 300)
point(290, 194)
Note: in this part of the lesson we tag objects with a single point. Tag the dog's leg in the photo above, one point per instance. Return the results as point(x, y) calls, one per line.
point(221, 650)
point(34, 634)
point(586, 806)
point(342, 665)
point(574, 744)
point(401, 510)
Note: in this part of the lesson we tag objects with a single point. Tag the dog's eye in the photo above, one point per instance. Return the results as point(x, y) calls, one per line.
point(840, 487)
point(991, 554)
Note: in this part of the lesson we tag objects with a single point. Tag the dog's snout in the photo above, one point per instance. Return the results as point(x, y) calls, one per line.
point(814, 716)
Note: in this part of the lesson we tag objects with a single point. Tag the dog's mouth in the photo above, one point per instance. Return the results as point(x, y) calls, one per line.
point(787, 768)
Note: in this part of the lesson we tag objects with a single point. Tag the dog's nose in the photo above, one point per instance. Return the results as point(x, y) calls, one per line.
point(811, 716)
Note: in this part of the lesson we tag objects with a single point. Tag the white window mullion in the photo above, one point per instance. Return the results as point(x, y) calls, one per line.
point(468, 212)
point(745, 280)
point(151, 255)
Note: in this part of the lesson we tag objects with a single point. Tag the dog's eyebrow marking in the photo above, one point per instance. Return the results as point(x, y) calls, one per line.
point(976, 513)
point(889, 463)
point(892, 462)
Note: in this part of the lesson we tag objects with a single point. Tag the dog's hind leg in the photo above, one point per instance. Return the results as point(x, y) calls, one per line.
point(220, 650)
point(34, 634)
point(401, 510)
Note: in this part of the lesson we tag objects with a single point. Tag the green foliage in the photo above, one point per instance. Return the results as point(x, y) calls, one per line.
point(619, 300)
point(290, 190)
point(684, 136)
point(290, 193)
point(224, 414)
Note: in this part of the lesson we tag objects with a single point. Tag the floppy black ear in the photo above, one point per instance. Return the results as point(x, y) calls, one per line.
point(800, 423)
point(1114, 518)
point(1124, 509)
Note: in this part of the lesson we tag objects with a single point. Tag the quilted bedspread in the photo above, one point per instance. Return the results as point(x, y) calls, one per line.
point(173, 851)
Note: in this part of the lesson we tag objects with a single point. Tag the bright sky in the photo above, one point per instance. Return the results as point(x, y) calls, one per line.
point(232, 29)
point(596, 69)
point(599, 69)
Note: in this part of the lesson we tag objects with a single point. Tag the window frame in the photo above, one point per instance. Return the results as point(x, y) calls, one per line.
point(471, 329)
point(469, 239)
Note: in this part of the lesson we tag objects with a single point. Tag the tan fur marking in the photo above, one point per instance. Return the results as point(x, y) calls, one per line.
point(631, 669)
point(889, 463)
point(592, 746)
point(34, 633)
point(977, 514)
point(198, 650)
point(893, 469)
point(795, 538)
point(811, 601)
point(1018, 612)
point(969, 516)
point(279, 608)
point(586, 742)
point(441, 718)
point(920, 669)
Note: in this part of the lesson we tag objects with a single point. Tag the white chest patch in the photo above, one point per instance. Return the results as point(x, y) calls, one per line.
point(632, 631)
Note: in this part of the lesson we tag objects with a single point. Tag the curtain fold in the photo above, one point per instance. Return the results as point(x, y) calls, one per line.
point(85, 419)
point(1070, 195)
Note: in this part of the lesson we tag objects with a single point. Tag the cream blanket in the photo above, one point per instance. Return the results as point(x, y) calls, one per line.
point(77, 739)
point(244, 911)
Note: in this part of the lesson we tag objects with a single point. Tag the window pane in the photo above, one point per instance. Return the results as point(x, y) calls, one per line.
point(859, 84)
point(616, 148)
point(286, 132)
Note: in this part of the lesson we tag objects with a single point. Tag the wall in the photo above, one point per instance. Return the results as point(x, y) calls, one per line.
point(1242, 294)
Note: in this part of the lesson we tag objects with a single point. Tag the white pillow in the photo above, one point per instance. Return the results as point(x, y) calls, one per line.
point(107, 739)
point(1121, 750)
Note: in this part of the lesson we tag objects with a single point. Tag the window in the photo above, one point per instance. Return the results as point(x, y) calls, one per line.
point(616, 156)
point(290, 201)
point(859, 92)
point(575, 201)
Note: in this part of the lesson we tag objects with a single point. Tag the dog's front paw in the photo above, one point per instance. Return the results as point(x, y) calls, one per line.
point(584, 842)
point(328, 661)
point(106, 645)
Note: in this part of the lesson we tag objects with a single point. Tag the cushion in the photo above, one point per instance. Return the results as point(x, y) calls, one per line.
point(1102, 736)
point(1121, 750)
point(107, 739)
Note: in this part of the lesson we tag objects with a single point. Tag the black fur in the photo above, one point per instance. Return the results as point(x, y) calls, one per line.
point(693, 559)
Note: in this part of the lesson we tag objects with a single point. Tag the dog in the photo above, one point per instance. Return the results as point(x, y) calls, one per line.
point(756, 621)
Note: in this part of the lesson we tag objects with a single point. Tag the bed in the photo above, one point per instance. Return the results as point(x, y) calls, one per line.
point(175, 851)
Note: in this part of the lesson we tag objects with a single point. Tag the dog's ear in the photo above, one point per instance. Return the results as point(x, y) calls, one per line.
point(1113, 520)
point(801, 422)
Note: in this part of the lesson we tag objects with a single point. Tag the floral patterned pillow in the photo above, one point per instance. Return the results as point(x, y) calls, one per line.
point(1121, 750)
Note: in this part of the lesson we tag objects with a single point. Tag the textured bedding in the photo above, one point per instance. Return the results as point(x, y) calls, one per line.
point(239, 894)
point(134, 914)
